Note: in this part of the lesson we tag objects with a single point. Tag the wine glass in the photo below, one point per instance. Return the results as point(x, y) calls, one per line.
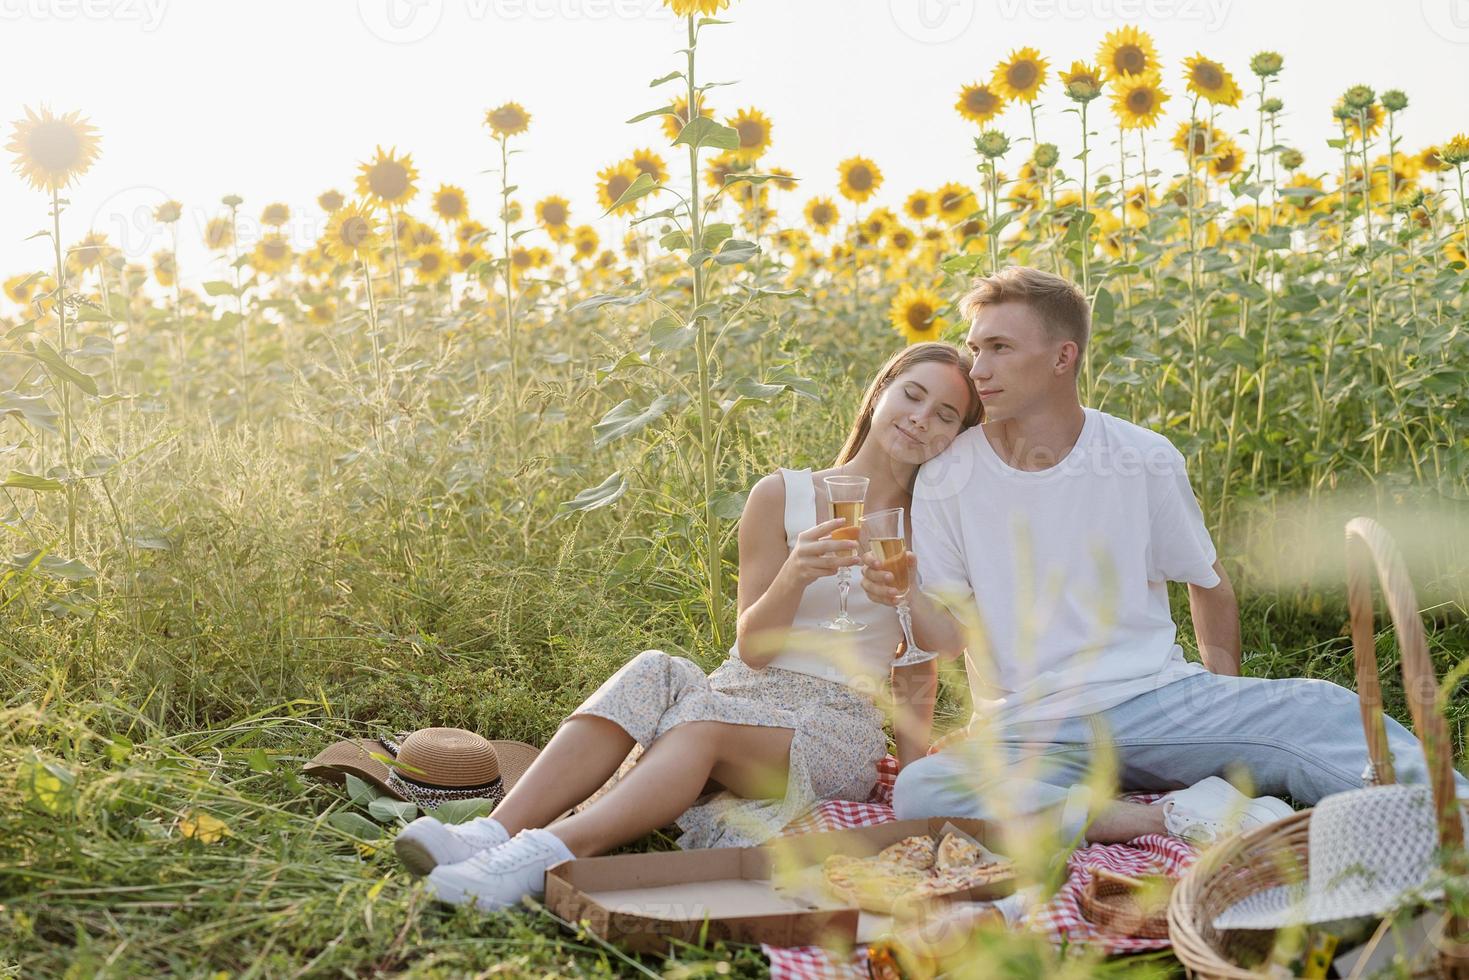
point(847, 494)
point(887, 539)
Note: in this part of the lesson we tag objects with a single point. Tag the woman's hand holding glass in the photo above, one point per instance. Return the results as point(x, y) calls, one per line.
point(817, 554)
point(888, 571)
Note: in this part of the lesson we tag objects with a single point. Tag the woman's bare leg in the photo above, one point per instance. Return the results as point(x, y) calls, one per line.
point(585, 751)
point(1122, 820)
point(750, 760)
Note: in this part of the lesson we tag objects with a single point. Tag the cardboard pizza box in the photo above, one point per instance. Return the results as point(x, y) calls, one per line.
point(640, 901)
point(770, 894)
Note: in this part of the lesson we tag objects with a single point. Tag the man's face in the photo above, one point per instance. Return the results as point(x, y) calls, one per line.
point(1017, 364)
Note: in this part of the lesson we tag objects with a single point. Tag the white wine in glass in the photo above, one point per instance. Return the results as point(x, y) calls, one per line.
point(887, 539)
point(847, 495)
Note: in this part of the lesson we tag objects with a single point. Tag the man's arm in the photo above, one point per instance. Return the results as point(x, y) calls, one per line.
point(1216, 624)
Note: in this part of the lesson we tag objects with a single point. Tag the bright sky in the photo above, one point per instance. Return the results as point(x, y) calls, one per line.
point(278, 100)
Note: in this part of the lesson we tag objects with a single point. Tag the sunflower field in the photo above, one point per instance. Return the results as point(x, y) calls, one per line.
point(457, 460)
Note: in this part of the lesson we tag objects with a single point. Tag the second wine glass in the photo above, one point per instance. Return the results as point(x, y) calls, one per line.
point(847, 495)
point(887, 539)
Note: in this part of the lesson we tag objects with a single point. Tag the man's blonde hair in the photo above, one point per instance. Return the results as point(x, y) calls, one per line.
point(1058, 302)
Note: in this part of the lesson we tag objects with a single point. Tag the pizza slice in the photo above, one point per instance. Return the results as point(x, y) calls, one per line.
point(910, 852)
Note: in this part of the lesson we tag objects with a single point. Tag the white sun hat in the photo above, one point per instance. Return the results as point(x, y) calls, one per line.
point(1368, 852)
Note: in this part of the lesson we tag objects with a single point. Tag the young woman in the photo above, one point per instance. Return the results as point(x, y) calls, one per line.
point(788, 720)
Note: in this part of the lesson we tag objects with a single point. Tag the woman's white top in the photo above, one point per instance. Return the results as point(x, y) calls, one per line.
point(860, 659)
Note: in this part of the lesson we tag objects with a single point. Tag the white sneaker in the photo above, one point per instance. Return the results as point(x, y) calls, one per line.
point(500, 878)
point(426, 843)
point(1212, 809)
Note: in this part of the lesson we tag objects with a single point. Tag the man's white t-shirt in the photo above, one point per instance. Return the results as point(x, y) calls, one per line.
point(1068, 567)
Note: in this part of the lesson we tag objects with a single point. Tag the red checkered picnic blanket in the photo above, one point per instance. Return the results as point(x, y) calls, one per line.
point(1060, 918)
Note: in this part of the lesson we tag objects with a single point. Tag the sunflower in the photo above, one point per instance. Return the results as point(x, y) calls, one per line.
point(89, 252)
point(920, 206)
point(466, 257)
point(754, 131)
point(553, 214)
point(1455, 151)
point(1211, 80)
point(272, 254)
point(450, 203)
point(420, 236)
point(979, 103)
point(168, 212)
point(509, 119)
point(651, 164)
point(321, 314)
point(687, 8)
point(20, 289)
point(584, 242)
point(858, 179)
point(165, 269)
point(1198, 139)
point(470, 233)
point(1127, 51)
point(613, 182)
point(387, 179)
point(900, 241)
point(1394, 178)
point(720, 169)
point(1430, 159)
point(1353, 120)
point(219, 234)
point(434, 265)
point(1083, 82)
point(275, 215)
point(821, 214)
point(1138, 100)
point(52, 151)
point(782, 179)
point(1227, 161)
point(352, 232)
point(1454, 250)
point(914, 313)
point(877, 223)
point(751, 196)
point(954, 201)
point(675, 121)
point(1107, 230)
point(1020, 76)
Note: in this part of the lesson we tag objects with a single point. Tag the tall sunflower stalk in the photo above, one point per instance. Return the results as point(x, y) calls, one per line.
point(506, 121)
point(51, 152)
point(713, 553)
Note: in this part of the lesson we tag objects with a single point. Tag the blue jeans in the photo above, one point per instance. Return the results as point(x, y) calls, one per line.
point(1288, 737)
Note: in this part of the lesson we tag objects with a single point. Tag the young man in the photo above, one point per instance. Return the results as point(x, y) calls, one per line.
point(1060, 526)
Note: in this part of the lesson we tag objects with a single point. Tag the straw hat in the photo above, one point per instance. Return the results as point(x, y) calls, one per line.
point(429, 766)
point(1368, 850)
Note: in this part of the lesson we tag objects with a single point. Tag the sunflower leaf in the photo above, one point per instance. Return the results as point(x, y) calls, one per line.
point(218, 287)
point(604, 493)
point(52, 358)
point(667, 333)
point(626, 419)
point(736, 251)
point(654, 84)
point(33, 408)
point(703, 131)
point(641, 187)
point(30, 481)
point(666, 110)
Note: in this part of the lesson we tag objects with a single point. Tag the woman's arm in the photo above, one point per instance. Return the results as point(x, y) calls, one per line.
point(914, 690)
point(773, 577)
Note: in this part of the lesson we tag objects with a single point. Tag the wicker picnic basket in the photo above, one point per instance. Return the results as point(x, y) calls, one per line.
point(1276, 854)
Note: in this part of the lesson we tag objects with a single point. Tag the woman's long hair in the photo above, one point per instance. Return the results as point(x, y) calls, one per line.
point(930, 350)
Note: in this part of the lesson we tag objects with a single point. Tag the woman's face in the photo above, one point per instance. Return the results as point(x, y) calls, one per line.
point(921, 411)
